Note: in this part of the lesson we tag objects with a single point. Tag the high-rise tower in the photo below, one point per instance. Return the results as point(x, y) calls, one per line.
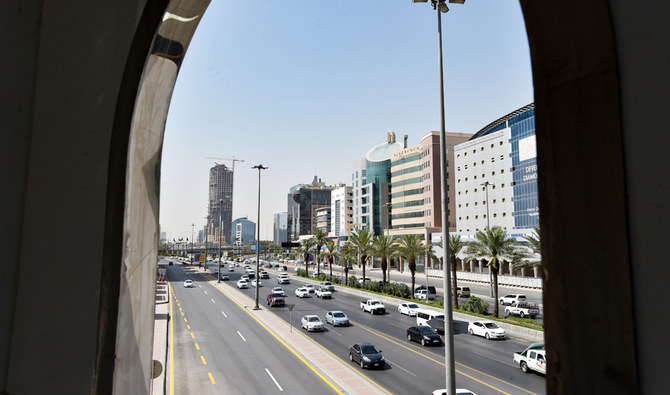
point(220, 204)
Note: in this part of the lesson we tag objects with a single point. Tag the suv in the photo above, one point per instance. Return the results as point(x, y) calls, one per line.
point(275, 299)
point(424, 294)
point(283, 279)
point(431, 289)
point(463, 292)
point(511, 298)
point(328, 285)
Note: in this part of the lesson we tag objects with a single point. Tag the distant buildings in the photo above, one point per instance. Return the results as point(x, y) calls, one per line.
point(303, 201)
point(279, 234)
point(243, 231)
point(341, 205)
point(220, 207)
point(499, 159)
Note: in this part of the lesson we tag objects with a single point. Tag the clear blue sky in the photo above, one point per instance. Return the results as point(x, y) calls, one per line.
point(308, 87)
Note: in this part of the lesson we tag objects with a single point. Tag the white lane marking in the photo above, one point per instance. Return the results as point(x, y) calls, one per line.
point(224, 314)
point(245, 340)
point(205, 292)
point(273, 379)
point(200, 286)
point(495, 359)
point(212, 300)
point(400, 367)
point(338, 334)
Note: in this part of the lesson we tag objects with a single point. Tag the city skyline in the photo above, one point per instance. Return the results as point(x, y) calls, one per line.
point(307, 94)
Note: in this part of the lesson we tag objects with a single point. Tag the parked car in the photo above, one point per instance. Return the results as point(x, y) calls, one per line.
point(409, 309)
point(366, 355)
point(302, 292)
point(279, 290)
point(488, 329)
point(424, 335)
point(337, 318)
point(189, 284)
point(511, 298)
point(242, 284)
point(463, 292)
point(311, 323)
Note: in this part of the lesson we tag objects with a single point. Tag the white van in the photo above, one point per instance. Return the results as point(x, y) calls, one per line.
point(423, 316)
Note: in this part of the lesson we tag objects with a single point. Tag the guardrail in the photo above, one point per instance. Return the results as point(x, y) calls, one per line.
point(527, 282)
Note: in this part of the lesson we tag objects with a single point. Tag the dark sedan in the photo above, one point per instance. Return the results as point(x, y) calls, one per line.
point(366, 355)
point(424, 335)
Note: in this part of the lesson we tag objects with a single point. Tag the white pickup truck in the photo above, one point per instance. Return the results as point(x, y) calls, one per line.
point(373, 306)
point(532, 358)
point(522, 309)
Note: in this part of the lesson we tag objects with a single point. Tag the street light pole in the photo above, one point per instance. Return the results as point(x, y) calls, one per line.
point(488, 226)
point(218, 273)
point(258, 231)
point(192, 226)
point(450, 380)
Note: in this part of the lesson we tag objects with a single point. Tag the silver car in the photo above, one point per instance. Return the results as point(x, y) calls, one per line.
point(337, 318)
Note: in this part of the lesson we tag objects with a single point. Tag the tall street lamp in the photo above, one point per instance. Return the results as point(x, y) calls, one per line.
point(218, 273)
point(388, 229)
point(192, 226)
point(258, 231)
point(441, 6)
point(486, 184)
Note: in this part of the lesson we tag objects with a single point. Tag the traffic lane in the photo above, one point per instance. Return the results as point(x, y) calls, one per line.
point(489, 357)
point(235, 347)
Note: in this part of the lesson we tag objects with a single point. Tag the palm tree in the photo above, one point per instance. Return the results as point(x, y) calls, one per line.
point(319, 237)
point(383, 247)
point(533, 243)
point(455, 246)
point(412, 247)
point(362, 240)
point(330, 253)
point(495, 246)
point(304, 250)
point(347, 257)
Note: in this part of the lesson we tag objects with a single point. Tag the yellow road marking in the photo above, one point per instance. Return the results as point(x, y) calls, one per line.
point(203, 360)
point(442, 363)
point(171, 350)
point(182, 313)
point(192, 337)
point(331, 385)
point(188, 326)
point(211, 378)
point(197, 346)
point(185, 320)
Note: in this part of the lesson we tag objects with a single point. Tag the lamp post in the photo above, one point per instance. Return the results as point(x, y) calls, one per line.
point(486, 184)
point(450, 369)
point(388, 229)
point(218, 272)
point(258, 230)
point(192, 226)
point(206, 227)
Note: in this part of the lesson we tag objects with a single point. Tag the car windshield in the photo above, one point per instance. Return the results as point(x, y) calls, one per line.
point(338, 315)
point(426, 330)
point(368, 349)
point(276, 295)
point(327, 283)
point(313, 319)
point(413, 306)
point(374, 302)
point(491, 325)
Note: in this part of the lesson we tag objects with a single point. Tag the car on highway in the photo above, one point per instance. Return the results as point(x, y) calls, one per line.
point(424, 294)
point(224, 277)
point(245, 278)
point(302, 292)
point(463, 292)
point(425, 335)
point(275, 299)
point(231, 267)
point(337, 318)
point(283, 279)
point(366, 355)
point(310, 288)
point(488, 329)
point(279, 290)
point(311, 323)
point(170, 263)
point(408, 309)
point(508, 299)
point(323, 293)
point(459, 391)
point(362, 280)
point(255, 283)
point(242, 284)
point(189, 284)
point(264, 274)
point(328, 285)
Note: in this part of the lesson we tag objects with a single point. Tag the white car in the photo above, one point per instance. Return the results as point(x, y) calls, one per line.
point(323, 293)
point(255, 283)
point(302, 292)
point(459, 391)
point(242, 284)
point(409, 309)
point(279, 290)
point(310, 288)
point(244, 277)
point(311, 323)
point(283, 279)
point(424, 294)
point(488, 329)
point(189, 284)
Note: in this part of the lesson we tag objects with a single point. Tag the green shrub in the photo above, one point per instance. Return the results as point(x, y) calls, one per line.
point(353, 282)
point(301, 273)
point(321, 277)
point(373, 286)
point(476, 305)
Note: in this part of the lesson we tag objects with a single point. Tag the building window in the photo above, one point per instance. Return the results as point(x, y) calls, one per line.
point(475, 177)
point(491, 145)
point(476, 216)
point(474, 151)
point(466, 204)
point(493, 159)
point(482, 149)
point(501, 143)
point(475, 189)
point(494, 200)
point(503, 185)
point(475, 203)
point(501, 157)
point(474, 164)
point(495, 215)
point(493, 173)
point(503, 199)
point(502, 171)
point(504, 214)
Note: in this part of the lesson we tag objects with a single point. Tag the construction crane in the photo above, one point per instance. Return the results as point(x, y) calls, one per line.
point(230, 159)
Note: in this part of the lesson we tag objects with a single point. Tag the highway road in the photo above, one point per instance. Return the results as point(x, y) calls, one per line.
point(483, 366)
point(219, 348)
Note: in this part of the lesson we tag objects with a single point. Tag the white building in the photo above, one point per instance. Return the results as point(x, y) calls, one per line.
point(341, 210)
point(477, 162)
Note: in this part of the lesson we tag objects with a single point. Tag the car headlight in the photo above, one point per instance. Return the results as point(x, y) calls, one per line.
point(366, 359)
point(382, 358)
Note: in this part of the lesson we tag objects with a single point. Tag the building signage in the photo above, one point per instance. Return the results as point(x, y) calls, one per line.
point(405, 152)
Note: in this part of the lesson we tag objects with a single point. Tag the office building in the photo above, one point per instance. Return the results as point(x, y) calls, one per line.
point(341, 205)
point(303, 202)
point(279, 228)
point(243, 231)
point(220, 209)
